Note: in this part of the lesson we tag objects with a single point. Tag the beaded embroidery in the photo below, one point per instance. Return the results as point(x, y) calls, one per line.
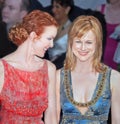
point(82, 117)
point(91, 102)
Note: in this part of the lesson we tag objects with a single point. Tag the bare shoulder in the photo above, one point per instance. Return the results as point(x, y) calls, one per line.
point(115, 74)
point(115, 78)
point(51, 71)
point(51, 66)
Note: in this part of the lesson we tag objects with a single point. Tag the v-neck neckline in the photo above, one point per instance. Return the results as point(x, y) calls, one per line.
point(93, 95)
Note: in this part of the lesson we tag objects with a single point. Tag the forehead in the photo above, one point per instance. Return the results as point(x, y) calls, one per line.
point(13, 3)
point(50, 30)
point(89, 35)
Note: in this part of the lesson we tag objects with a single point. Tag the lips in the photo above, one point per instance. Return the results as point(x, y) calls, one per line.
point(83, 53)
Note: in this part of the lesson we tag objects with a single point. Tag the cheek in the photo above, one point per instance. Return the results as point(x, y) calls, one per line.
point(60, 13)
point(78, 46)
point(75, 46)
point(37, 44)
point(74, 49)
point(91, 47)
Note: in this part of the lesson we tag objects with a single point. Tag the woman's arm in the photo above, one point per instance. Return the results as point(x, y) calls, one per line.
point(51, 113)
point(115, 102)
point(58, 94)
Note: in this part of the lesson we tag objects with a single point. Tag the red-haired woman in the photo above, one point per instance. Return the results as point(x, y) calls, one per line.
point(27, 86)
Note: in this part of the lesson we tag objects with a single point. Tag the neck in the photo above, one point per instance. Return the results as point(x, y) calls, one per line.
point(25, 58)
point(63, 21)
point(25, 52)
point(83, 67)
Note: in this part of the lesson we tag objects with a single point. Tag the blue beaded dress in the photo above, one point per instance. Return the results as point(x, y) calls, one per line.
point(99, 107)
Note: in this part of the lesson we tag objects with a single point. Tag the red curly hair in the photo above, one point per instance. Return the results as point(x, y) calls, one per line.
point(35, 21)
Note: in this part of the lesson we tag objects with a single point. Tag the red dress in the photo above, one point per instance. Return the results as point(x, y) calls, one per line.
point(24, 96)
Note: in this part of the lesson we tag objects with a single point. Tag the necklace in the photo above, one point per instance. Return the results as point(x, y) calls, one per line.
point(91, 102)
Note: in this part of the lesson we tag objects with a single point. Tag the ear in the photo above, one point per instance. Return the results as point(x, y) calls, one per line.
point(67, 10)
point(32, 35)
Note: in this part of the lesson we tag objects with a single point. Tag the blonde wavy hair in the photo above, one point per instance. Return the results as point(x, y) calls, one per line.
point(79, 27)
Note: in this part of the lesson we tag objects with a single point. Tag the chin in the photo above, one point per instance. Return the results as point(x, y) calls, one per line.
point(5, 19)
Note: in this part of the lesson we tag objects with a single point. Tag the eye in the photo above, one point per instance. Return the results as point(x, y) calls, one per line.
point(11, 8)
point(49, 38)
point(77, 41)
point(89, 42)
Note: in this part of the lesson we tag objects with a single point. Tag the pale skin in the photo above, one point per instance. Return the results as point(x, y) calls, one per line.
point(25, 58)
point(82, 92)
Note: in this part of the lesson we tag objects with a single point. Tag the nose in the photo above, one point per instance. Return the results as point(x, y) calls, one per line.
point(83, 46)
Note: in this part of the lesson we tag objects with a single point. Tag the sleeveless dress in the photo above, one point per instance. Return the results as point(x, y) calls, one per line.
point(97, 112)
point(111, 44)
point(24, 96)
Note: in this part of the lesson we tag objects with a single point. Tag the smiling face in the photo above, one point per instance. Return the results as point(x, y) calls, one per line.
point(59, 12)
point(45, 41)
point(84, 42)
point(84, 47)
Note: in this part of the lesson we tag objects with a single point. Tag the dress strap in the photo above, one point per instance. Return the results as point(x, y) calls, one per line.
point(4, 62)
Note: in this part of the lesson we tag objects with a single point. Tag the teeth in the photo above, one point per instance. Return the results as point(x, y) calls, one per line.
point(45, 49)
